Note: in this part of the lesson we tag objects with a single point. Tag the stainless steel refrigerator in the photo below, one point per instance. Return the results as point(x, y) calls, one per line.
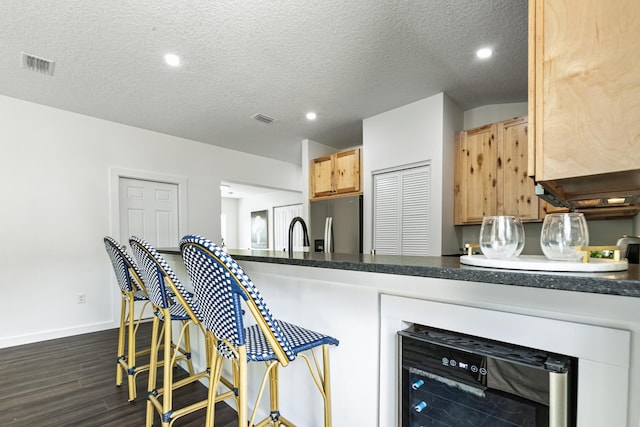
point(336, 225)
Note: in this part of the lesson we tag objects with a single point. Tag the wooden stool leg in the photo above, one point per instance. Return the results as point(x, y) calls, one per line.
point(243, 402)
point(153, 368)
point(131, 345)
point(167, 383)
point(187, 347)
point(326, 382)
point(273, 395)
point(216, 372)
point(121, 355)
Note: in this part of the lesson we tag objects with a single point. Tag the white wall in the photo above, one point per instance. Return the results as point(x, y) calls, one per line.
point(493, 113)
point(266, 202)
point(408, 135)
point(54, 168)
point(453, 124)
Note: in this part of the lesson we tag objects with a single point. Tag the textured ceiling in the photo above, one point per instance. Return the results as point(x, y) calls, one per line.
point(346, 60)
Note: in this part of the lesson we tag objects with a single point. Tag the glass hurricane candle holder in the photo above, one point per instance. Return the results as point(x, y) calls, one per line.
point(562, 234)
point(501, 236)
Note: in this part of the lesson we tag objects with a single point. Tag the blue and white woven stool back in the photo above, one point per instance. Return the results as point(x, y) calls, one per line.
point(122, 262)
point(221, 285)
point(216, 290)
point(155, 269)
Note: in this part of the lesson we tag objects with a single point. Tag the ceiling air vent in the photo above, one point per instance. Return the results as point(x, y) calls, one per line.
point(264, 119)
point(35, 63)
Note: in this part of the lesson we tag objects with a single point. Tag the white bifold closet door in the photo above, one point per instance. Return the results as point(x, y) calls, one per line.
point(401, 211)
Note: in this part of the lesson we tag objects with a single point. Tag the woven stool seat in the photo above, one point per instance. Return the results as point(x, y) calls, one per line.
point(176, 310)
point(301, 339)
point(140, 296)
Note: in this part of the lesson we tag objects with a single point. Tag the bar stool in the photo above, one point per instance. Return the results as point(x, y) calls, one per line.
point(223, 289)
point(132, 290)
point(171, 301)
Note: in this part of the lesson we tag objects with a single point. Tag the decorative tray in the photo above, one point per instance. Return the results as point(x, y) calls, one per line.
point(541, 263)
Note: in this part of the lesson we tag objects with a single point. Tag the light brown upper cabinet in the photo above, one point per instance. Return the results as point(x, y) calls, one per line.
point(516, 195)
point(336, 175)
point(491, 173)
point(584, 97)
point(475, 176)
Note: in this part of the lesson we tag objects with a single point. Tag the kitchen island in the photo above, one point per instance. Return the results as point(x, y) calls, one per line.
point(623, 283)
point(363, 300)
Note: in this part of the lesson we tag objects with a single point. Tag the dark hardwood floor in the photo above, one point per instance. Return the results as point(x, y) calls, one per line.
point(71, 382)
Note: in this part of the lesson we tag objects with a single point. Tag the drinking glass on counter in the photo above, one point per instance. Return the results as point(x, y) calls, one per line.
point(562, 234)
point(501, 236)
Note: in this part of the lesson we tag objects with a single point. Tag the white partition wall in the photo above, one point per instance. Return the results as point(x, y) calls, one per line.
point(365, 310)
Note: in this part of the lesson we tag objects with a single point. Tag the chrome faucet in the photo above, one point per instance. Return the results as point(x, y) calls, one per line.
point(305, 235)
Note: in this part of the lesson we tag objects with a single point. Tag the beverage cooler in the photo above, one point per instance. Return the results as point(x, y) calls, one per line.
point(451, 379)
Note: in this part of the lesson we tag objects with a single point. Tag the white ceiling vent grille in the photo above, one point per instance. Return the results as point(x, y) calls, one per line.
point(35, 63)
point(264, 119)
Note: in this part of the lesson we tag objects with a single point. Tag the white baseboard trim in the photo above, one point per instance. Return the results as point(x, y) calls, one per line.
point(57, 333)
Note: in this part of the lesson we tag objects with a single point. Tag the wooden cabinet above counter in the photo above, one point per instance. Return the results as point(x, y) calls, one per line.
point(584, 98)
point(491, 173)
point(336, 175)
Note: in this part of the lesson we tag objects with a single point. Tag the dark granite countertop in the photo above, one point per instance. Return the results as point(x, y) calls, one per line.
point(623, 283)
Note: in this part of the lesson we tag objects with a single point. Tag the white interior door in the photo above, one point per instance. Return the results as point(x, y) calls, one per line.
point(149, 209)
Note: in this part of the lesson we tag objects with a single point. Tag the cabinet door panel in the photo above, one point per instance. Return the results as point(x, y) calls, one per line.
point(588, 96)
point(459, 180)
point(479, 166)
point(347, 171)
point(516, 195)
point(322, 179)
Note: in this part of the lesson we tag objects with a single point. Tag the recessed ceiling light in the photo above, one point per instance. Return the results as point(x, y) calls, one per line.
point(172, 59)
point(311, 115)
point(484, 53)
